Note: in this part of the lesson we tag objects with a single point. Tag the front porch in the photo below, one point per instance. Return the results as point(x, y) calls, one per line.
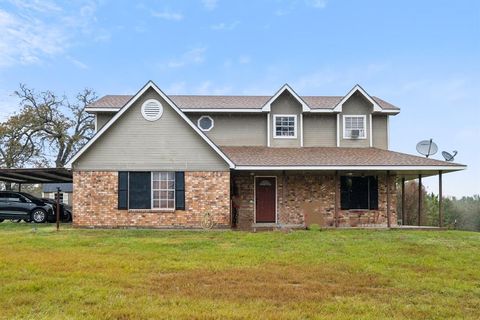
point(300, 198)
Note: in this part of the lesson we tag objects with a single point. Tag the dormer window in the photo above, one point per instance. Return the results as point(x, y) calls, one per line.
point(354, 127)
point(285, 126)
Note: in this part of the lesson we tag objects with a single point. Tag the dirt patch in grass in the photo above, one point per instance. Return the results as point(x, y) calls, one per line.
point(270, 283)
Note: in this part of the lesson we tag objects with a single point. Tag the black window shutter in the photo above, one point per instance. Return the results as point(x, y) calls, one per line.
point(344, 193)
point(373, 193)
point(140, 190)
point(179, 190)
point(122, 190)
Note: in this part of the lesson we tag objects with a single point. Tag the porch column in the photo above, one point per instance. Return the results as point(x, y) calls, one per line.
point(388, 199)
point(404, 218)
point(419, 199)
point(336, 199)
point(440, 200)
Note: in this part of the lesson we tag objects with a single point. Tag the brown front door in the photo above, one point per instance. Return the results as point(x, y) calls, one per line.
point(265, 199)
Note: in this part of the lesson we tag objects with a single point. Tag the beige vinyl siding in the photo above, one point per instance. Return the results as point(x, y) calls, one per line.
point(236, 129)
point(379, 128)
point(285, 104)
point(356, 105)
point(319, 130)
point(133, 143)
point(102, 118)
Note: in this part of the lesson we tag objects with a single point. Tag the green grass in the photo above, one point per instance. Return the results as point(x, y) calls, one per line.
point(151, 274)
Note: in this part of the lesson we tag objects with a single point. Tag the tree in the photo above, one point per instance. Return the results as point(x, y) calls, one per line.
point(463, 214)
point(59, 126)
point(17, 142)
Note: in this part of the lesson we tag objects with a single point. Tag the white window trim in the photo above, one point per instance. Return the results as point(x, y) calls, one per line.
point(301, 129)
point(200, 119)
point(370, 127)
point(268, 129)
point(295, 126)
point(151, 193)
point(345, 137)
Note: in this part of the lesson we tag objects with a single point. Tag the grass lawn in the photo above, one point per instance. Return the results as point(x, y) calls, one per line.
point(151, 274)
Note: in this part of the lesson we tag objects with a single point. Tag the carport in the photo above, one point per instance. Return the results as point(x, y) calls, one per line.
point(21, 176)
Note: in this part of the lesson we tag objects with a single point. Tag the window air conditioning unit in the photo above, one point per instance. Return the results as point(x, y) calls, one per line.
point(355, 133)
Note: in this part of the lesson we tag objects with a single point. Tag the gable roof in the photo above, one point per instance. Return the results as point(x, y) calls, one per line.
point(355, 89)
point(331, 158)
point(234, 103)
point(131, 101)
point(268, 105)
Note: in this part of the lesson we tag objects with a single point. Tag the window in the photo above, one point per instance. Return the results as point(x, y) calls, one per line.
point(354, 127)
point(152, 110)
point(163, 190)
point(205, 123)
point(285, 126)
point(359, 193)
point(157, 190)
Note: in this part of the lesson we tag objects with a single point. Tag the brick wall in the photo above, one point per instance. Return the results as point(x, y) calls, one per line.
point(310, 198)
point(96, 194)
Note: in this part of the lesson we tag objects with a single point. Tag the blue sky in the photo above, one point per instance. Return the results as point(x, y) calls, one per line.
point(422, 56)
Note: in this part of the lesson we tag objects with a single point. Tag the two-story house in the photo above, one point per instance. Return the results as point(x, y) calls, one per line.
point(160, 160)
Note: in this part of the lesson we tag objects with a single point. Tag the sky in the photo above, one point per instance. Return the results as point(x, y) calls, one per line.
point(422, 56)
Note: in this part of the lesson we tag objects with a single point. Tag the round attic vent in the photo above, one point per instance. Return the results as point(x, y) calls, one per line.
point(152, 110)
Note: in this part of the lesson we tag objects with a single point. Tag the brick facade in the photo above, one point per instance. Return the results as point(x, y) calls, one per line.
point(310, 198)
point(95, 202)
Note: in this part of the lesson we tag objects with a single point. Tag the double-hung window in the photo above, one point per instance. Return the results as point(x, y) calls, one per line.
point(163, 190)
point(354, 127)
point(151, 190)
point(285, 126)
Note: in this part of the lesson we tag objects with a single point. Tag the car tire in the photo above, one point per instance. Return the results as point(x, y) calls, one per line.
point(67, 217)
point(39, 216)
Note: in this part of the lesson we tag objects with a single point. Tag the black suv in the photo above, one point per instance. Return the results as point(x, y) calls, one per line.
point(21, 205)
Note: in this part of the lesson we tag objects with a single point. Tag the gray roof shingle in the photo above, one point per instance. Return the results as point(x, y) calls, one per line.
point(228, 102)
point(325, 156)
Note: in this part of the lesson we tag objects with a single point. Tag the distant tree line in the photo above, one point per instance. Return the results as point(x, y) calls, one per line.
point(459, 213)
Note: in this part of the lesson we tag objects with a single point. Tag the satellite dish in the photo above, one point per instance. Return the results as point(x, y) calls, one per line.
point(448, 156)
point(427, 147)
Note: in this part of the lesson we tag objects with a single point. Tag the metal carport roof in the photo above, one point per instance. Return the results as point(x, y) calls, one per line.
point(36, 175)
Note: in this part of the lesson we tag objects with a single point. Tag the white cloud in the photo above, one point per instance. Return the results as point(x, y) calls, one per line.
point(224, 26)
point(292, 5)
point(79, 64)
point(176, 88)
point(32, 31)
point(317, 3)
point(209, 4)
point(37, 5)
point(244, 59)
point(168, 15)
point(25, 39)
point(281, 12)
point(194, 56)
point(207, 87)
point(8, 104)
